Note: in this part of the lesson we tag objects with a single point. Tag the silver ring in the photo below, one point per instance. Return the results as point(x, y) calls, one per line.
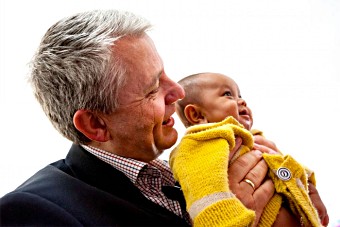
point(250, 183)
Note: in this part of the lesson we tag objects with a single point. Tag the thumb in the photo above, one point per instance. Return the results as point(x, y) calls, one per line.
point(238, 142)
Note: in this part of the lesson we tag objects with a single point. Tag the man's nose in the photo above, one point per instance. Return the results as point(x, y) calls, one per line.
point(175, 93)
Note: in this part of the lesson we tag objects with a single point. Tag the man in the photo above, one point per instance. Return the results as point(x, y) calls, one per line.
point(102, 84)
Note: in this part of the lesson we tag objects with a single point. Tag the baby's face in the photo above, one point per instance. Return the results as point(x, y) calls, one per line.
point(221, 98)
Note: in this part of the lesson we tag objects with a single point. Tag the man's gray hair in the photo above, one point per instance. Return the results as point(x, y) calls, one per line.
point(75, 66)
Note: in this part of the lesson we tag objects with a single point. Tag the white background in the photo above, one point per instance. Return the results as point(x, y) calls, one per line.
point(283, 54)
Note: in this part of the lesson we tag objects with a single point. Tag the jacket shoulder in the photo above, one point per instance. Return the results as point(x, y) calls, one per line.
point(24, 208)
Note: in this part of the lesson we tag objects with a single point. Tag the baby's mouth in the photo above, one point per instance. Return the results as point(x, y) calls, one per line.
point(243, 112)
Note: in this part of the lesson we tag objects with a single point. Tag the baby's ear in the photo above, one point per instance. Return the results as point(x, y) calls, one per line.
point(194, 114)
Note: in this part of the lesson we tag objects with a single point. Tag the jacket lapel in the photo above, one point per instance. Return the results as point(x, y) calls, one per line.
point(91, 170)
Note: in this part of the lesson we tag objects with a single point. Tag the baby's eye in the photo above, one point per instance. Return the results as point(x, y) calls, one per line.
point(227, 93)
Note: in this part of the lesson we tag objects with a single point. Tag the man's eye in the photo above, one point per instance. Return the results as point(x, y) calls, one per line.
point(153, 92)
point(227, 93)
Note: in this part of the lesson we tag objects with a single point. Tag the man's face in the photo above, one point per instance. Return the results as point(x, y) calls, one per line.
point(142, 126)
point(220, 98)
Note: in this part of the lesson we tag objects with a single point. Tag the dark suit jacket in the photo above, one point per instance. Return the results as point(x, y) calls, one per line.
point(81, 190)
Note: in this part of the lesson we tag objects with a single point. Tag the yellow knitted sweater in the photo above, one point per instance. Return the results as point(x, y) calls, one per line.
point(200, 163)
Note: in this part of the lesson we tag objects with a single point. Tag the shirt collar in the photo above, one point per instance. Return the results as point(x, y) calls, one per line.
point(131, 167)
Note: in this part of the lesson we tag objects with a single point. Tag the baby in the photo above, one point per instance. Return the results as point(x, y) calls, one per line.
point(215, 114)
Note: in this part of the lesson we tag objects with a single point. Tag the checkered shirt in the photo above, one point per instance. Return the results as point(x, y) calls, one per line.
point(147, 177)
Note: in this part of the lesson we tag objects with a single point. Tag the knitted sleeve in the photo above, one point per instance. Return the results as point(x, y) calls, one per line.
point(290, 180)
point(200, 164)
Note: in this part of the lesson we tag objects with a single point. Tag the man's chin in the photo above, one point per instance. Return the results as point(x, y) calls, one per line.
point(168, 140)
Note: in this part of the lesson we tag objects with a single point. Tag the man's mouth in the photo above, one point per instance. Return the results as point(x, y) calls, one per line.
point(168, 122)
point(165, 122)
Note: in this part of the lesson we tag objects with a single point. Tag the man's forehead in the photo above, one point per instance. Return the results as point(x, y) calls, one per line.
point(138, 54)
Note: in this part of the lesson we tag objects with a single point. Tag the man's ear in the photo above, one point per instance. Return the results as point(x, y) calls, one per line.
point(91, 125)
point(194, 114)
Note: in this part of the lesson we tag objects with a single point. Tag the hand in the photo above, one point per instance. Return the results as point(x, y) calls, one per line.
point(238, 143)
point(319, 205)
point(251, 166)
point(286, 218)
point(264, 145)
